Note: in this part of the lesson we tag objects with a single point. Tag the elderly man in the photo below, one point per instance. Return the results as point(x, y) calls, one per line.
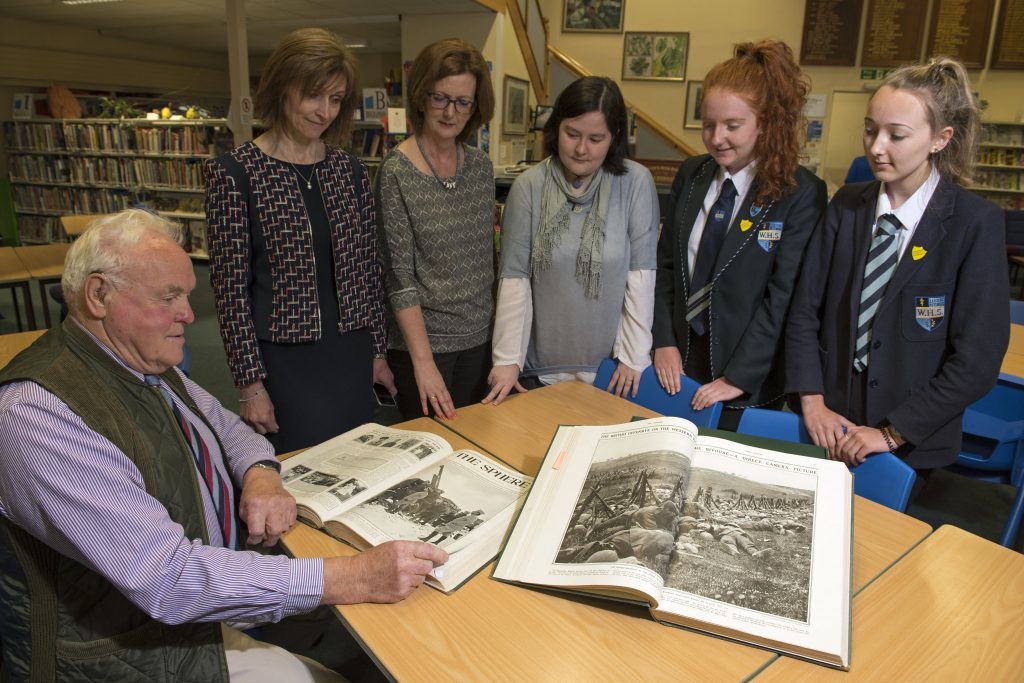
point(118, 516)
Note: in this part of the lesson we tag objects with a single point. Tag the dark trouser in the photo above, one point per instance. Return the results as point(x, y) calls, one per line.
point(464, 373)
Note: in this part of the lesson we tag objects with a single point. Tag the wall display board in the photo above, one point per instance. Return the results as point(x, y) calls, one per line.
point(1009, 48)
point(960, 29)
point(894, 33)
point(828, 26)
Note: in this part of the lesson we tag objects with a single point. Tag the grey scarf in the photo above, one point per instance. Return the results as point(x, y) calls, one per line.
point(555, 203)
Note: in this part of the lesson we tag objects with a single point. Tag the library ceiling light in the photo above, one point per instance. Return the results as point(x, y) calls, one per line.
point(86, 2)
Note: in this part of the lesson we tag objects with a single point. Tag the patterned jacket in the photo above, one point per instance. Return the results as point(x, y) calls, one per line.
point(260, 240)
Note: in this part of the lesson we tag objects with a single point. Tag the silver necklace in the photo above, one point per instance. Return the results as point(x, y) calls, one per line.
point(446, 183)
point(309, 180)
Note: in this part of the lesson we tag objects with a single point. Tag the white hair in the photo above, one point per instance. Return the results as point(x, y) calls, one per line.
point(101, 248)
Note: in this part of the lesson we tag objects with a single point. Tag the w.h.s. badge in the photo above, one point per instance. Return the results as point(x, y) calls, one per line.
point(929, 311)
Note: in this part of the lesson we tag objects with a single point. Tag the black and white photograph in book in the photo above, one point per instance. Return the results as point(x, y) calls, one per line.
point(711, 533)
point(415, 446)
point(440, 507)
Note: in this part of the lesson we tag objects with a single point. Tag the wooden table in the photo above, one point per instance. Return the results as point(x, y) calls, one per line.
point(491, 631)
point(45, 263)
point(1013, 361)
point(519, 430)
point(951, 610)
point(13, 344)
point(13, 274)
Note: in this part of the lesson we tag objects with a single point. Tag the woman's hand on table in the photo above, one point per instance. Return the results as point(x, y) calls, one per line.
point(502, 380)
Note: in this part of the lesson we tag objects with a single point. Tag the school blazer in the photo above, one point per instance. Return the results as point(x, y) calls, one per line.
point(941, 330)
point(753, 278)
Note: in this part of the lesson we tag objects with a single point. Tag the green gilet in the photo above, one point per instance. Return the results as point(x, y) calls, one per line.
point(59, 620)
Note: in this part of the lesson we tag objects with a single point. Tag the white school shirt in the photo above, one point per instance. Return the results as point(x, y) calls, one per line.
point(742, 179)
point(910, 213)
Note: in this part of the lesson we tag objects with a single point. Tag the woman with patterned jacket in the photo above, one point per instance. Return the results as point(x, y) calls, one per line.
point(293, 253)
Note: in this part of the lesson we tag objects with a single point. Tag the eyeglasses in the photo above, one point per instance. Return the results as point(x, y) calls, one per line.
point(440, 101)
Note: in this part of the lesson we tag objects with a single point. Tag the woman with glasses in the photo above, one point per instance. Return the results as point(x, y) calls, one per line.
point(578, 253)
point(436, 198)
point(293, 253)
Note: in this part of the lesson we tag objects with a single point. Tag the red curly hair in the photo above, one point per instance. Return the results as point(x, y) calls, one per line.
point(769, 80)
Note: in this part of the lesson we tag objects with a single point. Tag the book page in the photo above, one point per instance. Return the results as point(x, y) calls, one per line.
point(446, 504)
point(603, 508)
point(350, 468)
point(758, 552)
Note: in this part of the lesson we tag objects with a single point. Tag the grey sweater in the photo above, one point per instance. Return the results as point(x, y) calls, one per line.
point(438, 249)
point(571, 333)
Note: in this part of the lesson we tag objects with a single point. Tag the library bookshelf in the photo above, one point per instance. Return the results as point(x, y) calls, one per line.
point(95, 166)
point(999, 174)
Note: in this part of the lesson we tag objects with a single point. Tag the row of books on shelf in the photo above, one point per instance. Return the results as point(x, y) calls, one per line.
point(1003, 134)
point(999, 180)
point(1000, 156)
point(63, 200)
point(34, 229)
point(115, 138)
point(121, 171)
point(1004, 200)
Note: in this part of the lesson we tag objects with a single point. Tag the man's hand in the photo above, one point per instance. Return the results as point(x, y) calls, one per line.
point(386, 573)
point(266, 508)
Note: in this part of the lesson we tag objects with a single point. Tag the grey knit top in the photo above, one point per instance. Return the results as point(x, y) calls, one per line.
point(438, 249)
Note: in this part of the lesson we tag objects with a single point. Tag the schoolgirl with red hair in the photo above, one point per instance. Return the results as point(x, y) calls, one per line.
point(738, 221)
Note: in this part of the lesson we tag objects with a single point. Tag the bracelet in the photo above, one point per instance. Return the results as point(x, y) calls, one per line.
point(246, 400)
point(889, 441)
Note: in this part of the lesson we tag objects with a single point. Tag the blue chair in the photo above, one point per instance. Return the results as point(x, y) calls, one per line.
point(883, 477)
point(993, 434)
point(773, 424)
point(652, 396)
point(993, 446)
point(1016, 312)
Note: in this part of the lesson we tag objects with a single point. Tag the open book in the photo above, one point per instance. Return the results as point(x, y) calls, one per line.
point(376, 484)
point(714, 535)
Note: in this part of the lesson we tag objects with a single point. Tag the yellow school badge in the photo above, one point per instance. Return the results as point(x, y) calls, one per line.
point(918, 253)
point(745, 225)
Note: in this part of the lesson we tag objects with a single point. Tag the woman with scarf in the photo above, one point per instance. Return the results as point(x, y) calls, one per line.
point(579, 237)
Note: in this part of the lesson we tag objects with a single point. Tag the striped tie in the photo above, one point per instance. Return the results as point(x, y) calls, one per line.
point(220, 490)
point(711, 240)
point(882, 260)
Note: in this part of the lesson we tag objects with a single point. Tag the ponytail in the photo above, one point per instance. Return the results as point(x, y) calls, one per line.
point(767, 77)
point(944, 89)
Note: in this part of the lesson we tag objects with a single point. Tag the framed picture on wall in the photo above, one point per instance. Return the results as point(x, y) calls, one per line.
point(655, 56)
point(694, 92)
point(593, 16)
point(515, 119)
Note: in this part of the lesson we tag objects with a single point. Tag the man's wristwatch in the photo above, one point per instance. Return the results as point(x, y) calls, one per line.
point(265, 465)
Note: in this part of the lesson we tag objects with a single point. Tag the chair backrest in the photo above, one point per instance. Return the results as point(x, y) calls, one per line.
point(885, 479)
point(1016, 312)
point(76, 225)
point(774, 424)
point(652, 396)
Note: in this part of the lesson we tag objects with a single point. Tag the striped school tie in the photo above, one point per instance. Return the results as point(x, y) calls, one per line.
point(882, 260)
point(220, 490)
point(711, 240)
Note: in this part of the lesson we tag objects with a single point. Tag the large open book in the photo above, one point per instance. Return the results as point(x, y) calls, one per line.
point(376, 484)
point(711, 534)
